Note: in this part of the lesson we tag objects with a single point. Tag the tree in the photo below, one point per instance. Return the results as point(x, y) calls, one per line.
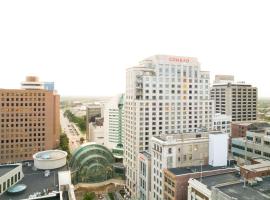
point(64, 144)
point(89, 196)
point(82, 140)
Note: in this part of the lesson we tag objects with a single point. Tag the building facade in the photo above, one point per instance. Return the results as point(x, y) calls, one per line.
point(222, 123)
point(176, 179)
point(114, 122)
point(164, 94)
point(10, 175)
point(238, 100)
point(145, 175)
point(255, 144)
point(29, 122)
point(180, 150)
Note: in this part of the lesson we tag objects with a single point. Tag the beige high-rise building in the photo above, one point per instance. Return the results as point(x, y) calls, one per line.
point(238, 100)
point(29, 121)
point(164, 95)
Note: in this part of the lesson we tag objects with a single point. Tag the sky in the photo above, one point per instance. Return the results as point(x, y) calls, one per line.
point(86, 46)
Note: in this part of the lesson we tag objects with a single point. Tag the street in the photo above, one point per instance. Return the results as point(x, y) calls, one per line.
point(71, 131)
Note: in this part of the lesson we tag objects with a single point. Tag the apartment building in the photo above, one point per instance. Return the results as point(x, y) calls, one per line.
point(238, 100)
point(164, 95)
point(255, 144)
point(29, 121)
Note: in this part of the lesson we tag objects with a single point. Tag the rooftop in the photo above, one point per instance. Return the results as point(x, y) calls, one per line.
point(6, 168)
point(35, 182)
point(210, 181)
point(258, 192)
point(187, 170)
point(181, 137)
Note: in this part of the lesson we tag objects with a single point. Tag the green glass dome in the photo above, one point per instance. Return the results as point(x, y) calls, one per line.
point(91, 163)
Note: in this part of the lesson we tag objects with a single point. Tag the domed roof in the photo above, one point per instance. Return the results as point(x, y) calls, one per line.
point(92, 163)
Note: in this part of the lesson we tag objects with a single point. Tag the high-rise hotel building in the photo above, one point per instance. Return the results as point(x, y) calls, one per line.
point(164, 95)
point(29, 121)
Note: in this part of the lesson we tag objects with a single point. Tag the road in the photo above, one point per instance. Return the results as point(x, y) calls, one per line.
point(71, 131)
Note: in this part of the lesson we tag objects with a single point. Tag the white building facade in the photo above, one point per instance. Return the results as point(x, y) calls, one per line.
point(222, 122)
point(164, 94)
point(178, 150)
point(114, 121)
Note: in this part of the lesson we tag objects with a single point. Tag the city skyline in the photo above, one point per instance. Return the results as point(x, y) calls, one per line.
point(87, 46)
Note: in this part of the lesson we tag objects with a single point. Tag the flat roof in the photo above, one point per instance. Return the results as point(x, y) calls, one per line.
point(36, 182)
point(194, 169)
point(214, 180)
point(256, 192)
point(6, 168)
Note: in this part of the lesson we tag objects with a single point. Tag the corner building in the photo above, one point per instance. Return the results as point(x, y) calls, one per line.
point(29, 122)
point(164, 95)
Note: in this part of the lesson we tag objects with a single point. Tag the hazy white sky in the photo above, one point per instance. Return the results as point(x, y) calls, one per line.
point(85, 46)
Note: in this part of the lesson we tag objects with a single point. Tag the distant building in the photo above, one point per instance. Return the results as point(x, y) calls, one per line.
point(238, 100)
point(49, 86)
point(29, 121)
point(114, 122)
point(255, 144)
point(224, 79)
point(93, 111)
point(96, 131)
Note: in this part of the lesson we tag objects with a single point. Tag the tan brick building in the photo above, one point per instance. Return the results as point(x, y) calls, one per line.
point(29, 122)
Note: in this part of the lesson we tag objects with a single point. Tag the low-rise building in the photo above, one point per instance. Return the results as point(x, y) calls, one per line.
point(176, 179)
point(255, 144)
point(10, 174)
point(230, 185)
point(239, 129)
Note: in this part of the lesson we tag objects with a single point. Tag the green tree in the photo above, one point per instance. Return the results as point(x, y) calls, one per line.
point(89, 196)
point(79, 121)
point(64, 144)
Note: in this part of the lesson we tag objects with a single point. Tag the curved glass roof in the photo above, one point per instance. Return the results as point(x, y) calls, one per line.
point(91, 163)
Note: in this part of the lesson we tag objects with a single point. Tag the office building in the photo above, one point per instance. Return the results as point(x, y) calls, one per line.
point(93, 111)
point(238, 100)
point(255, 144)
point(29, 122)
point(164, 95)
point(114, 122)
